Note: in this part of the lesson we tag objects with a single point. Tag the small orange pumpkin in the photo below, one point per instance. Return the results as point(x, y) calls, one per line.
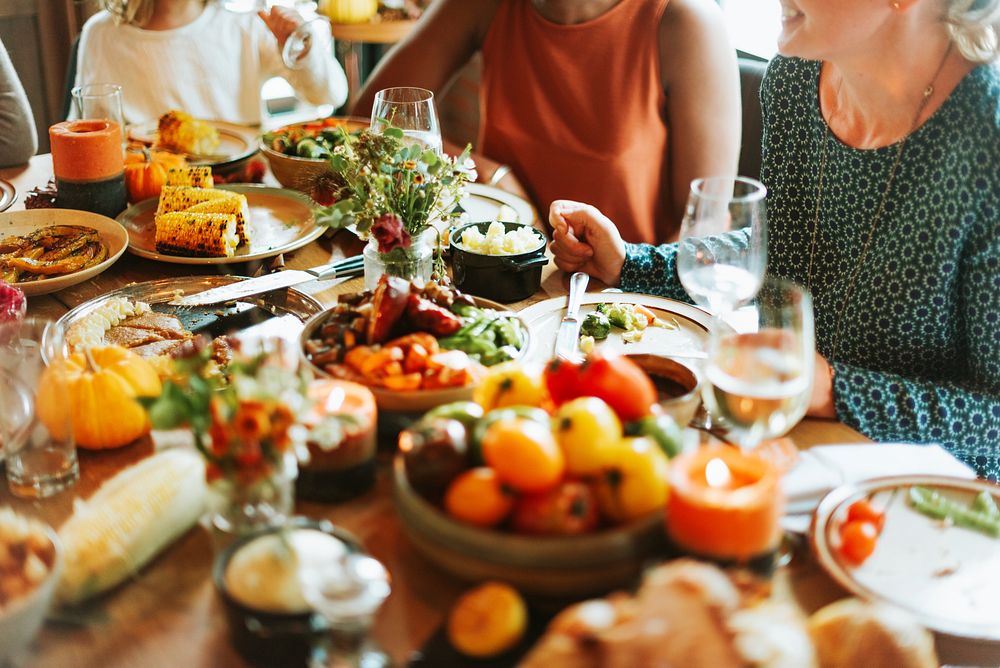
point(103, 383)
point(146, 172)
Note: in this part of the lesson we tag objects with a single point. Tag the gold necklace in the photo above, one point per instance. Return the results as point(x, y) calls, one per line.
point(878, 211)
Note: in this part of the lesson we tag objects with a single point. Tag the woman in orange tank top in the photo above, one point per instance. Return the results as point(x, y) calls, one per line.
point(616, 102)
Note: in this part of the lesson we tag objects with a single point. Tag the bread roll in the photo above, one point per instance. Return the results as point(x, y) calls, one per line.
point(852, 633)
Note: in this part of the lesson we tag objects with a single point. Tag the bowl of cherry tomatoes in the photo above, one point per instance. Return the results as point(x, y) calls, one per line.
point(551, 480)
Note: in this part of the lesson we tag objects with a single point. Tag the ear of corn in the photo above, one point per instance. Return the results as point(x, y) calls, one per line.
point(192, 177)
point(236, 206)
point(130, 519)
point(182, 132)
point(179, 198)
point(197, 234)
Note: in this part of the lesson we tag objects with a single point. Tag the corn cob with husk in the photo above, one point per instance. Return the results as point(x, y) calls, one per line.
point(179, 198)
point(197, 234)
point(236, 206)
point(192, 177)
point(130, 519)
point(182, 132)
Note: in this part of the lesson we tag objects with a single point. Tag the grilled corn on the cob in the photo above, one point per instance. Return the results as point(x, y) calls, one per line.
point(179, 198)
point(193, 177)
point(197, 234)
point(130, 519)
point(182, 132)
point(236, 206)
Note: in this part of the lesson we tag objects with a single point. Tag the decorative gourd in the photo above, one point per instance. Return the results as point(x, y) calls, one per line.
point(102, 384)
point(146, 172)
point(349, 11)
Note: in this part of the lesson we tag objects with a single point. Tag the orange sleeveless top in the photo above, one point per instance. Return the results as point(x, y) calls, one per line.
point(578, 111)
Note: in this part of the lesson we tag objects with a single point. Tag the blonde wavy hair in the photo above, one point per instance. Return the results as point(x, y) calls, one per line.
point(974, 27)
point(131, 12)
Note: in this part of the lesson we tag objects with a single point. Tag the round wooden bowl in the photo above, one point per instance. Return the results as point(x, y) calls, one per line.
point(558, 567)
point(301, 173)
point(395, 401)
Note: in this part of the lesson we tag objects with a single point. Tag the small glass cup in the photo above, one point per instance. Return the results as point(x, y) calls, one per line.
point(36, 424)
point(101, 101)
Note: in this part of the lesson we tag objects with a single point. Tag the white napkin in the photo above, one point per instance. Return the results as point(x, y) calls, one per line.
point(822, 468)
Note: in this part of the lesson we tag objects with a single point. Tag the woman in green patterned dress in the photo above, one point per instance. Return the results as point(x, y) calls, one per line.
point(882, 161)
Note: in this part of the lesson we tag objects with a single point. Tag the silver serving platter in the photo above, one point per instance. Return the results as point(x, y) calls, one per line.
point(215, 319)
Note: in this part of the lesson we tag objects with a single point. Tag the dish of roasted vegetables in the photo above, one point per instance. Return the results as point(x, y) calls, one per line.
point(403, 337)
point(314, 140)
point(44, 250)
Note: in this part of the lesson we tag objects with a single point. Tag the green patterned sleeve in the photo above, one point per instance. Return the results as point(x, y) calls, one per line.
point(652, 270)
point(964, 417)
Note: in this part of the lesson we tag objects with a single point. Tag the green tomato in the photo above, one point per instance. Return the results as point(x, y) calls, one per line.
point(466, 412)
point(661, 429)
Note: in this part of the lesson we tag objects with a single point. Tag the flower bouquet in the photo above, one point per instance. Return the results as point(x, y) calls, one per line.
point(391, 191)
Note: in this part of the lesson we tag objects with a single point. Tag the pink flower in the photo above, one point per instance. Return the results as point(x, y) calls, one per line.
point(390, 234)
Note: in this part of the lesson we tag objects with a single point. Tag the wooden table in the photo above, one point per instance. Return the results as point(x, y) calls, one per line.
point(169, 615)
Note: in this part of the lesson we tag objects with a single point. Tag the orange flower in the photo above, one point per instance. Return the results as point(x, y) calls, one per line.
point(281, 419)
point(220, 438)
point(409, 164)
point(251, 421)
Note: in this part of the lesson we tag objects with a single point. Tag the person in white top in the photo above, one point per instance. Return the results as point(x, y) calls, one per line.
point(195, 56)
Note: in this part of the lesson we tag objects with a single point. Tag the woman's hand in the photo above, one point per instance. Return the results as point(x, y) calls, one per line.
point(584, 239)
point(821, 401)
point(282, 22)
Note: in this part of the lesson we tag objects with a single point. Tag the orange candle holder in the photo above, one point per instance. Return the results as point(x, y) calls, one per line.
point(724, 504)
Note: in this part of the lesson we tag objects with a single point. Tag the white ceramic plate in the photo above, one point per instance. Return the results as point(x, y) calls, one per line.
point(236, 142)
point(484, 203)
point(689, 340)
point(8, 194)
point(16, 223)
point(281, 221)
point(946, 576)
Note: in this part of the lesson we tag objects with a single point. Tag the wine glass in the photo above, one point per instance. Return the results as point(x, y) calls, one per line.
point(300, 42)
point(412, 111)
point(760, 381)
point(722, 252)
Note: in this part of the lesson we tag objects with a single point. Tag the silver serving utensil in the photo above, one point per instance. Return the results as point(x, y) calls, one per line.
point(568, 336)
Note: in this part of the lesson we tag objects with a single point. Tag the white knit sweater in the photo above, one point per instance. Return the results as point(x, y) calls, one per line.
point(213, 68)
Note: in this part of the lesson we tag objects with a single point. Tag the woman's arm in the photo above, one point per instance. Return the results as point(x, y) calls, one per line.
point(962, 416)
point(447, 36)
point(18, 141)
point(701, 79)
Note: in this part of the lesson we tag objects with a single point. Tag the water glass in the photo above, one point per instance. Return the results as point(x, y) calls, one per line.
point(722, 252)
point(36, 421)
point(760, 381)
point(412, 111)
point(101, 101)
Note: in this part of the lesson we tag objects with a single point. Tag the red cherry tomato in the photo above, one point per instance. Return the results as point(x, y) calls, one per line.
point(562, 380)
point(620, 382)
point(862, 511)
point(857, 540)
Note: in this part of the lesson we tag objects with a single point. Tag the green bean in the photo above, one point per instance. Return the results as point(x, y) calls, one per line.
point(986, 504)
point(935, 505)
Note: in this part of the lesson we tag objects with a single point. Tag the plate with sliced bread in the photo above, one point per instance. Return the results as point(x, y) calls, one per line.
point(220, 225)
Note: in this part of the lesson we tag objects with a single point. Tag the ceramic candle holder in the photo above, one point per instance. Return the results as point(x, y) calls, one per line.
point(725, 505)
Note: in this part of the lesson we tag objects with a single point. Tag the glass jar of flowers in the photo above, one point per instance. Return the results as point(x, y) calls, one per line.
point(395, 194)
point(251, 421)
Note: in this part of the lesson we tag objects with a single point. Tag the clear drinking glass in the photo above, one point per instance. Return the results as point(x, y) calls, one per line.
point(722, 252)
point(760, 382)
point(315, 28)
point(412, 111)
point(101, 101)
point(36, 425)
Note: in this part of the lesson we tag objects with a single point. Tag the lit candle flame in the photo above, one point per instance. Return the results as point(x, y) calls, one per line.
point(717, 474)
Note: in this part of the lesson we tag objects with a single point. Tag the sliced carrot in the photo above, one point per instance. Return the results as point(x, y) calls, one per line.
point(416, 359)
point(381, 360)
point(356, 357)
point(650, 316)
point(454, 360)
point(424, 339)
point(405, 382)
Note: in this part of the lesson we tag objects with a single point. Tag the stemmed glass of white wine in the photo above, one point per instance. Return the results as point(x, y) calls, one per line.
point(760, 381)
point(410, 110)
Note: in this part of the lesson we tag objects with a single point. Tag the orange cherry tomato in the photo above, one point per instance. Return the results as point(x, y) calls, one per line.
point(478, 497)
point(524, 453)
point(862, 511)
point(857, 540)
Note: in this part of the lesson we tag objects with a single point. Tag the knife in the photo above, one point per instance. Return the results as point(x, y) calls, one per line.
point(342, 268)
point(568, 336)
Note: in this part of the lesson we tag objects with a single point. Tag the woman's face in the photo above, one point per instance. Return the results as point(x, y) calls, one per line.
point(824, 29)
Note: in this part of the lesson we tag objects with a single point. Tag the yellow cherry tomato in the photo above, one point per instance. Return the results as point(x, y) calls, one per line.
point(524, 454)
point(510, 384)
point(487, 620)
point(636, 484)
point(589, 433)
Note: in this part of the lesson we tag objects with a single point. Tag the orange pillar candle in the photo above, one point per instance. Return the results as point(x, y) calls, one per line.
point(724, 504)
point(89, 166)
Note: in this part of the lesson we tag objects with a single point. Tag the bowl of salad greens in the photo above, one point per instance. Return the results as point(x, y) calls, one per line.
point(299, 154)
